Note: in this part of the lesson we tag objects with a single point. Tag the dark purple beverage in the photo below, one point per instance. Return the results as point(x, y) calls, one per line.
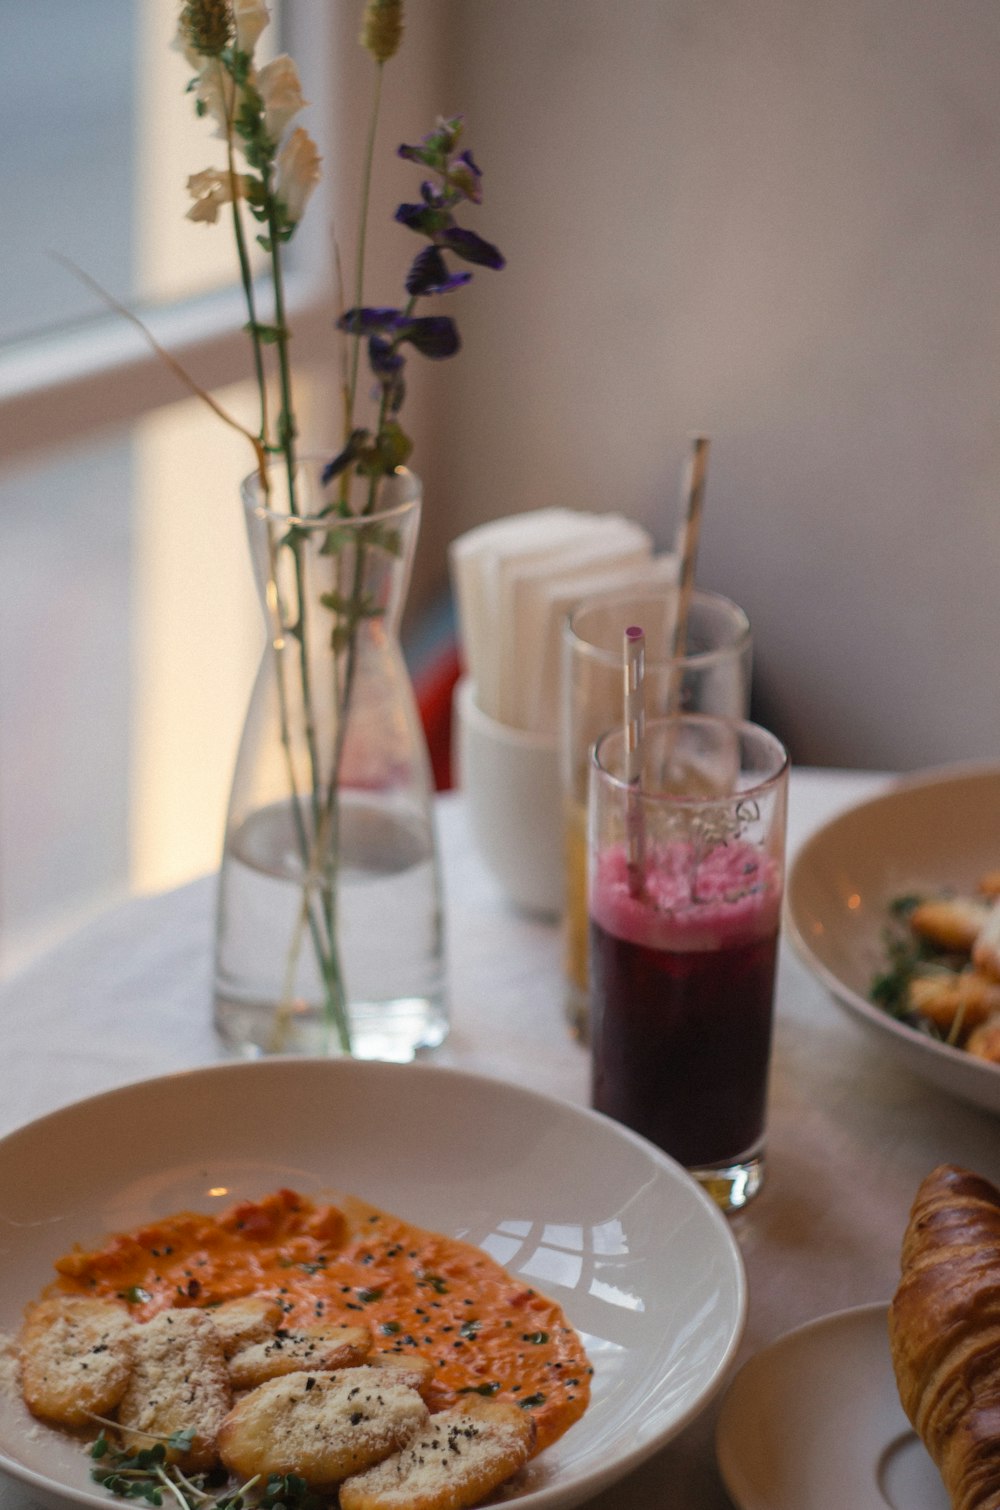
point(682, 986)
point(681, 1042)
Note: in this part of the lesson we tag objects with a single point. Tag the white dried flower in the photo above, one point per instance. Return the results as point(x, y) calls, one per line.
point(249, 17)
point(211, 189)
point(297, 173)
point(281, 91)
point(218, 96)
point(182, 43)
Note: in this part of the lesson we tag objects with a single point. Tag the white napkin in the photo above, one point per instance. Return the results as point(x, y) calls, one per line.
point(515, 579)
point(561, 595)
point(475, 559)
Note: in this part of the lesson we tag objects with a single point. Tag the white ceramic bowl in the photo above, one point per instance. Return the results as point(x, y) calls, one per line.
point(640, 1260)
point(931, 833)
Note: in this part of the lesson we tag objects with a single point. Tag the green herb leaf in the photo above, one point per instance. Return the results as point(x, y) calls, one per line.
point(135, 1295)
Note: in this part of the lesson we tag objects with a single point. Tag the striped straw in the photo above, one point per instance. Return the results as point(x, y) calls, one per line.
point(687, 550)
point(635, 733)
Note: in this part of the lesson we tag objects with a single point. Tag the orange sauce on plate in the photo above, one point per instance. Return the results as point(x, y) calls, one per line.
point(418, 1292)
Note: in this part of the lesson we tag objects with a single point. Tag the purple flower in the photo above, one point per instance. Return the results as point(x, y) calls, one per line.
point(470, 247)
point(429, 274)
point(384, 359)
point(465, 176)
point(434, 336)
point(456, 179)
point(425, 219)
point(344, 458)
point(362, 322)
point(434, 149)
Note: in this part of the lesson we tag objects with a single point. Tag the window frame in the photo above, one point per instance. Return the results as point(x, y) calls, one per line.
point(62, 386)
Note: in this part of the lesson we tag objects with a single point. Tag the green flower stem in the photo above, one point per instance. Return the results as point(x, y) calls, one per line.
point(327, 820)
point(325, 948)
point(331, 816)
point(327, 957)
point(359, 279)
point(246, 277)
point(286, 441)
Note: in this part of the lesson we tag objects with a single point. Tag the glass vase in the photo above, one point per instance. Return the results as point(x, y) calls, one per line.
point(329, 936)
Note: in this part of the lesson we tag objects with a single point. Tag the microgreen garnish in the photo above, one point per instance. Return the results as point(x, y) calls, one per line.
point(146, 1473)
point(907, 955)
point(135, 1295)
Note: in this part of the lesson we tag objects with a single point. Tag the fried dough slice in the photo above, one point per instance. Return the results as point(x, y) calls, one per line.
point(244, 1321)
point(75, 1356)
point(320, 1426)
point(986, 948)
point(179, 1382)
point(966, 995)
point(410, 1368)
point(984, 1042)
point(458, 1458)
point(951, 923)
point(289, 1351)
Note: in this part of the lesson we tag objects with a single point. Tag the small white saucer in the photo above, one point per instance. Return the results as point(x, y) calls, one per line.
point(815, 1421)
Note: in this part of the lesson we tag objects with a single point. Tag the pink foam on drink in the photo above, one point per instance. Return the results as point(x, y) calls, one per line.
point(728, 897)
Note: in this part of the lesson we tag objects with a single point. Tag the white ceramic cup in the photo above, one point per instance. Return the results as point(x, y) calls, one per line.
point(510, 781)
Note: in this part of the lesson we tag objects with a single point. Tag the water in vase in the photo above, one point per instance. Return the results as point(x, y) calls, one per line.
point(268, 992)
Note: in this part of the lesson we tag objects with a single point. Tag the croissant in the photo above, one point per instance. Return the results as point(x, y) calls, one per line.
point(944, 1332)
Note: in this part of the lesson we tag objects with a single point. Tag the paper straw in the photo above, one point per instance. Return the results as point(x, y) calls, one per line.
point(687, 549)
point(635, 733)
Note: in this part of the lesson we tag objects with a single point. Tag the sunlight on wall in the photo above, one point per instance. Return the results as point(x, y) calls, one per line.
point(198, 629)
point(197, 638)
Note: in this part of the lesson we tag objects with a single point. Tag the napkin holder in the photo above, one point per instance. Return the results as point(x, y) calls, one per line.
point(510, 781)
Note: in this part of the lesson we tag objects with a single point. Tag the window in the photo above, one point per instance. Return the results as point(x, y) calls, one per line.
point(123, 554)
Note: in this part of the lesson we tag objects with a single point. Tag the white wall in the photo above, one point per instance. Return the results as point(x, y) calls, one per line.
point(778, 222)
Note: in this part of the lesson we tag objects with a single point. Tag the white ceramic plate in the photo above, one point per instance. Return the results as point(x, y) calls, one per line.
point(926, 833)
point(814, 1421)
point(641, 1261)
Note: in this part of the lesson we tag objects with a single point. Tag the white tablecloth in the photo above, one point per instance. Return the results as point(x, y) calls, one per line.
point(851, 1134)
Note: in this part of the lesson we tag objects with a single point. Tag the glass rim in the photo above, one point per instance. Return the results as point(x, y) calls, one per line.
point(740, 726)
point(251, 485)
point(695, 660)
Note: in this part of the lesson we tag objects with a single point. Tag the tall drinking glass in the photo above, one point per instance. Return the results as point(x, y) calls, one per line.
point(686, 873)
point(713, 677)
